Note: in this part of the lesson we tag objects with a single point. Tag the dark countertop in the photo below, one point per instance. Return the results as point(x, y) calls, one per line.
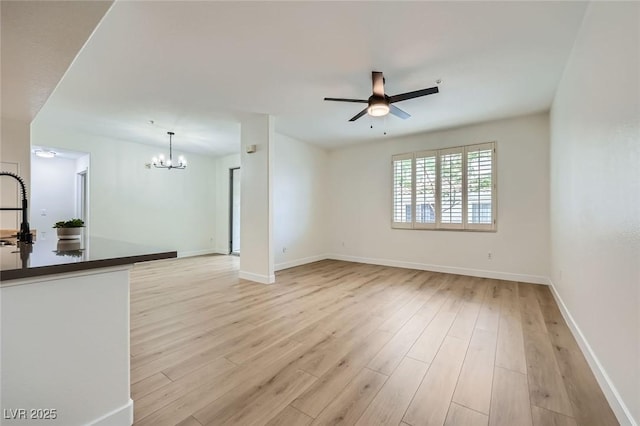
point(53, 256)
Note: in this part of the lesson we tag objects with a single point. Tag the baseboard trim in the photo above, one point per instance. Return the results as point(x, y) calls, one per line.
point(618, 406)
point(299, 262)
point(197, 252)
point(263, 279)
point(508, 276)
point(118, 417)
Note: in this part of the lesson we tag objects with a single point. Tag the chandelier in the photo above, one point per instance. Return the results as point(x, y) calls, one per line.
point(161, 163)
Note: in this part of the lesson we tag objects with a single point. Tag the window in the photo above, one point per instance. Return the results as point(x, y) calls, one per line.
point(453, 188)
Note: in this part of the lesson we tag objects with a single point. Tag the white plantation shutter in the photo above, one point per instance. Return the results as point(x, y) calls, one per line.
point(480, 186)
point(403, 189)
point(426, 184)
point(451, 187)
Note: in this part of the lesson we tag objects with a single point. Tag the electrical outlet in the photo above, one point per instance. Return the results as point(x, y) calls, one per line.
point(43, 212)
point(489, 256)
point(284, 249)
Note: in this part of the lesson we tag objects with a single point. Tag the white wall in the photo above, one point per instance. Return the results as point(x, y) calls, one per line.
point(165, 209)
point(256, 225)
point(299, 202)
point(595, 195)
point(14, 149)
point(223, 164)
point(360, 203)
point(53, 190)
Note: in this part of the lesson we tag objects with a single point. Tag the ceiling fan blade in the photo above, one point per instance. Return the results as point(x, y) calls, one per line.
point(358, 115)
point(360, 101)
point(398, 112)
point(378, 83)
point(411, 95)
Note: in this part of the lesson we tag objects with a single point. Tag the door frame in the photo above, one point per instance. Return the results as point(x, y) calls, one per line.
point(231, 170)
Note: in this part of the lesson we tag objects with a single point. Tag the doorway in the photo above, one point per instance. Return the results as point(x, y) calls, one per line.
point(81, 196)
point(234, 211)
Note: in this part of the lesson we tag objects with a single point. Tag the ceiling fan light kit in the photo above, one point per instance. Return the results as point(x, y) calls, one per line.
point(379, 103)
point(378, 108)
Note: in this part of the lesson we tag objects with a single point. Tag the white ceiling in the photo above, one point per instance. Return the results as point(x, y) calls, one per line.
point(38, 41)
point(195, 67)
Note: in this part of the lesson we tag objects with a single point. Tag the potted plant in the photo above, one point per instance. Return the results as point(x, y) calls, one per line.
point(70, 229)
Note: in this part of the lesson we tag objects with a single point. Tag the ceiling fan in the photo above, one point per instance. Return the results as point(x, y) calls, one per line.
point(380, 104)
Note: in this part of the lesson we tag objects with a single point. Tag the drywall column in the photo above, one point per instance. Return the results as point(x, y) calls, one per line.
point(256, 223)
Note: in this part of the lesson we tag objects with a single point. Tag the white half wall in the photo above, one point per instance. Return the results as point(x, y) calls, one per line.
point(169, 209)
point(223, 165)
point(65, 346)
point(53, 190)
point(300, 202)
point(360, 205)
point(595, 198)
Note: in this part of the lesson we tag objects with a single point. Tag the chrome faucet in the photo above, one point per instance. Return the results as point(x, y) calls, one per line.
point(24, 235)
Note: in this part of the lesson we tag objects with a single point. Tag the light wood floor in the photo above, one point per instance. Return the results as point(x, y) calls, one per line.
point(345, 343)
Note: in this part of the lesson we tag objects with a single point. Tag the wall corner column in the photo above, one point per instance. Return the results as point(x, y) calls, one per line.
point(256, 188)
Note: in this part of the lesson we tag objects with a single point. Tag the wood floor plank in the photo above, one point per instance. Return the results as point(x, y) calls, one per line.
point(215, 372)
point(546, 386)
point(510, 399)
point(427, 345)
point(203, 386)
point(489, 314)
point(189, 421)
point(321, 361)
point(588, 403)
point(476, 377)
point(391, 355)
point(348, 405)
point(463, 416)
point(177, 363)
point(557, 328)
point(148, 385)
point(395, 322)
point(465, 321)
point(431, 402)
point(167, 346)
point(530, 313)
point(258, 404)
point(393, 399)
point(510, 346)
point(290, 417)
point(542, 417)
point(509, 302)
point(321, 393)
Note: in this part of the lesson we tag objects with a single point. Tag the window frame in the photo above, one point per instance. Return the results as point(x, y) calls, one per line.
point(438, 225)
point(494, 188)
point(401, 157)
point(426, 154)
